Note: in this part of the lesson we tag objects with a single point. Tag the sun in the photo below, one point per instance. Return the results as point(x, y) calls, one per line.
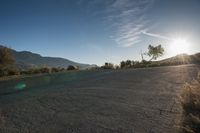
point(179, 46)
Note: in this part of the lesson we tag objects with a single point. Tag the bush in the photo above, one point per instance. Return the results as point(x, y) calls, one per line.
point(58, 69)
point(108, 66)
point(61, 69)
point(145, 62)
point(70, 67)
point(116, 67)
point(44, 70)
point(35, 71)
point(190, 100)
point(24, 72)
point(54, 70)
point(13, 72)
point(2, 72)
point(9, 72)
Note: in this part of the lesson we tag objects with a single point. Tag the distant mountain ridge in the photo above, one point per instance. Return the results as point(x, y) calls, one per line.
point(26, 60)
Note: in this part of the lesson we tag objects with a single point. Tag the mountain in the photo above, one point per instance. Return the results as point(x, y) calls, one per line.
point(26, 60)
point(182, 59)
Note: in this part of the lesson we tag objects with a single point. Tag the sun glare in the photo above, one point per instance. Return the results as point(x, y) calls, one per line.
point(179, 46)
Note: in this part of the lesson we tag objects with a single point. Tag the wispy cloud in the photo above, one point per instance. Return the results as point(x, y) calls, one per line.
point(124, 18)
point(128, 20)
point(156, 35)
point(128, 34)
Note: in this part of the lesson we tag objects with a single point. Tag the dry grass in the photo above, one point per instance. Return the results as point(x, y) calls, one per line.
point(190, 99)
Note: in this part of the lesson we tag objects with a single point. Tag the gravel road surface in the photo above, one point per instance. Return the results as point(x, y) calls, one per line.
point(103, 101)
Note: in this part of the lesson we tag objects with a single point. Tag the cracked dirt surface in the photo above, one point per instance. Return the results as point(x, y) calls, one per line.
point(104, 101)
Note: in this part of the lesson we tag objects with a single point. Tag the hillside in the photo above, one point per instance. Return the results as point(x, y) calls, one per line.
point(181, 59)
point(26, 60)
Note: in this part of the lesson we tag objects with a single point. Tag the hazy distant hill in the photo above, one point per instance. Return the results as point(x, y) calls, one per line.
point(26, 59)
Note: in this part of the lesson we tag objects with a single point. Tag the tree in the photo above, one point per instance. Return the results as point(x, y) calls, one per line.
point(128, 63)
point(142, 55)
point(108, 66)
point(122, 64)
point(7, 62)
point(133, 62)
point(154, 52)
point(6, 58)
point(70, 67)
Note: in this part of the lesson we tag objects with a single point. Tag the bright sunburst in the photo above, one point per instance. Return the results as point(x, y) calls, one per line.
point(179, 46)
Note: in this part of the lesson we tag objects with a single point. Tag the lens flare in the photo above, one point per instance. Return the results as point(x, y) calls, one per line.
point(20, 86)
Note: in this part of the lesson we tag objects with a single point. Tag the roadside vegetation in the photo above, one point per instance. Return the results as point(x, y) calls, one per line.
point(153, 53)
point(8, 68)
point(190, 100)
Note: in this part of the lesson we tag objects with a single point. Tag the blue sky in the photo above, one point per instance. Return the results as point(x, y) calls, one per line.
point(98, 31)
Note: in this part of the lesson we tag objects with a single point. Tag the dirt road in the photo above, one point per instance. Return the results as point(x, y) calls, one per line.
point(104, 101)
